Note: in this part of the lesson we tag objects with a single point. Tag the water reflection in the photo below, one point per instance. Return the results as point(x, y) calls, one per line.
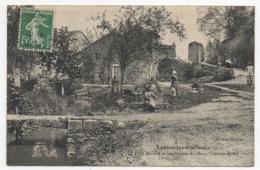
point(41, 150)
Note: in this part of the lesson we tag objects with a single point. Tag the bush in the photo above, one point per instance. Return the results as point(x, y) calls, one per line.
point(102, 101)
point(166, 66)
point(223, 74)
point(29, 84)
point(200, 73)
point(43, 100)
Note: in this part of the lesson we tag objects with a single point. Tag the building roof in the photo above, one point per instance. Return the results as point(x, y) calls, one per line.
point(101, 38)
point(71, 33)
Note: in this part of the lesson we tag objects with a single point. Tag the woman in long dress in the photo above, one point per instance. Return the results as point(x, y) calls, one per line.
point(33, 26)
point(174, 85)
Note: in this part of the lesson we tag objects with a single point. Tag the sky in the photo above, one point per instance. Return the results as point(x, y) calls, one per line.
point(75, 17)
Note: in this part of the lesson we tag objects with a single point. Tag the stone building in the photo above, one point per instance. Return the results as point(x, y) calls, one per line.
point(196, 52)
point(105, 64)
point(98, 60)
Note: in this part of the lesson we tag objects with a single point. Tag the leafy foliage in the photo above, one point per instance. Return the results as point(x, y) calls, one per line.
point(240, 48)
point(234, 24)
point(65, 47)
point(216, 21)
point(211, 51)
point(136, 31)
point(42, 100)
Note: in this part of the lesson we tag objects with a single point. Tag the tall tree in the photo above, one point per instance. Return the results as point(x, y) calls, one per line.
point(222, 21)
point(135, 29)
point(211, 51)
point(62, 41)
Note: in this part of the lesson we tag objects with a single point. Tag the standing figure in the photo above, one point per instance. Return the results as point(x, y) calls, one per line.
point(59, 85)
point(33, 26)
point(114, 83)
point(16, 99)
point(152, 84)
point(249, 74)
point(149, 99)
point(174, 86)
point(228, 63)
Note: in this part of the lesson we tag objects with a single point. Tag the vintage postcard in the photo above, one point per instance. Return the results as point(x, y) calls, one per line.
point(130, 85)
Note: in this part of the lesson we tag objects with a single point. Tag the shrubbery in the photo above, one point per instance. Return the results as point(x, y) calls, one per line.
point(167, 65)
point(42, 100)
point(223, 74)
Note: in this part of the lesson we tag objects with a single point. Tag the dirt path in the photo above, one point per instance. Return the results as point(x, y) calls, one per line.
point(238, 92)
point(225, 125)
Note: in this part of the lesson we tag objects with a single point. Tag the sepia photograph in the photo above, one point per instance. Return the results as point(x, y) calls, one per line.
point(130, 85)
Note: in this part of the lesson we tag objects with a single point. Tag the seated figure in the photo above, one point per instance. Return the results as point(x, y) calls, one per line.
point(196, 88)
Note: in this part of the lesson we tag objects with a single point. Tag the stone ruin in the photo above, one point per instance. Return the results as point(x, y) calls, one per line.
point(196, 52)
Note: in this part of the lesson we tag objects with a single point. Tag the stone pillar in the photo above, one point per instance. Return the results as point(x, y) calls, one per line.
point(16, 73)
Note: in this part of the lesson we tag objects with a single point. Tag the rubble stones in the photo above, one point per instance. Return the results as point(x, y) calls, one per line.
point(71, 146)
point(88, 131)
point(121, 124)
point(70, 140)
point(71, 154)
point(108, 122)
point(80, 135)
point(81, 140)
point(57, 124)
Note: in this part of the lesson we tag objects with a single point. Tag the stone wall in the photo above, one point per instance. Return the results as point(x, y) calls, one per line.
point(19, 131)
point(137, 71)
point(99, 52)
point(84, 133)
point(140, 71)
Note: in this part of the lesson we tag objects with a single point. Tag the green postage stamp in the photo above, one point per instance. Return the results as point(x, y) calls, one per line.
point(36, 28)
